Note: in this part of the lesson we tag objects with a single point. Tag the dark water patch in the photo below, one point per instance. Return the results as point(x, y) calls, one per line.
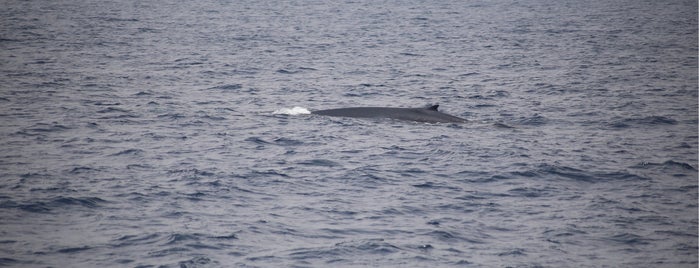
point(32, 207)
point(257, 140)
point(133, 240)
point(620, 176)
point(129, 152)
point(318, 163)
point(140, 167)
point(191, 172)
point(652, 121)
point(547, 171)
point(675, 233)
point(8, 262)
point(483, 105)
point(288, 142)
point(476, 176)
point(88, 202)
point(265, 258)
point(206, 120)
point(490, 179)
point(172, 116)
point(534, 120)
point(35, 175)
point(411, 54)
point(462, 208)
point(194, 197)
point(82, 170)
point(469, 74)
point(46, 128)
point(655, 120)
point(127, 261)
point(502, 125)
point(267, 173)
point(9, 40)
point(198, 262)
point(178, 238)
point(436, 186)
point(670, 164)
point(200, 245)
point(73, 250)
point(629, 239)
point(227, 87)
point(602, 204)
point(24, 133)
point(530, 192)
point(339, 251)
point(654, 219)
point(413, 171)
point(559, 236)
point(168, 252)
point(452, 236)
point(123, 118)
point(112, 110)
point(371, 246)
point(165, 97)
point(226, 237)
point(362, 94)
point(187, 64)
point(513, 252)
point(461, 263)
point(371, 85)
point(39, 207)
point(148, 30)
point(285, 71)
point(43, 61)
point(214, 184)
point(175, 214)
point(115, 19)
point(92, 125)
point(368, 178)
point(685, 145)
point(143, 93)
point(425, 185)
point(479, 196)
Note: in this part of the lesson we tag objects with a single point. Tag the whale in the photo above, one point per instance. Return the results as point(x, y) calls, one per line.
point(428, 114)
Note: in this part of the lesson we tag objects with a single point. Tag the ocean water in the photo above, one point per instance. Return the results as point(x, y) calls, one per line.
point(144, 134)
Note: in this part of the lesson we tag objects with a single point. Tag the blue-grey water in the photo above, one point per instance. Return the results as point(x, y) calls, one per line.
point(142, 134)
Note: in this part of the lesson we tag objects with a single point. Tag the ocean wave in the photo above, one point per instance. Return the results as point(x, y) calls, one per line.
point(629, 239)
point(319, 163)
point(346, 249)
point(652, 121)
point(199, 261)
point(534, 120)
point(134, 240)
point(44, 128)
point(669, 164)
point(55, 204)
point(228, 87)
point(129, 152)
point(564, 172)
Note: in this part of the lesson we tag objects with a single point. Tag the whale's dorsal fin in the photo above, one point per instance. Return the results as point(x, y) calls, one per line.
point(433, 107)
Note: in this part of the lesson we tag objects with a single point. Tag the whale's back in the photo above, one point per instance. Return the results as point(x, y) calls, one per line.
point(427, 114)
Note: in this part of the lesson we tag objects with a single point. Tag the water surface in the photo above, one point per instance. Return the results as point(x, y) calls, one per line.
point(143, 134)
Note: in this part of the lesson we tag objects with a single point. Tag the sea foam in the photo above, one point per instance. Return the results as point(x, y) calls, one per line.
point(292, 111)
